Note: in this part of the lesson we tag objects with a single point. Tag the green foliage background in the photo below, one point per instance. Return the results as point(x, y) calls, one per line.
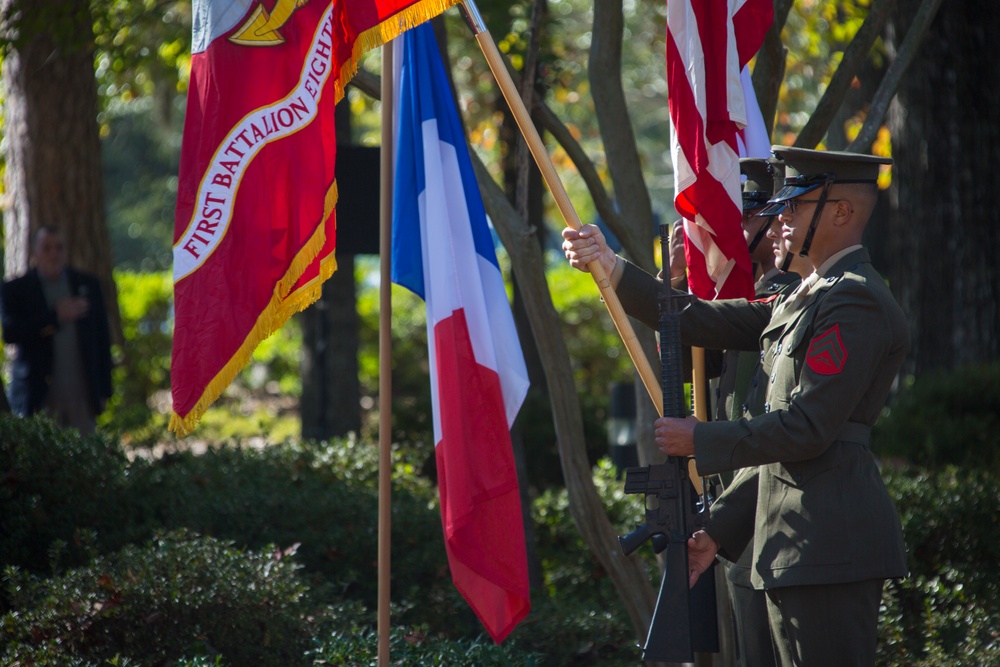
point(138, 411)
point(90, 536)
point(267, 555)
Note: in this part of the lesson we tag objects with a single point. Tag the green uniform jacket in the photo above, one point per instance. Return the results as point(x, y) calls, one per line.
point(739, 368)
point(816, 507)
point(741, 373)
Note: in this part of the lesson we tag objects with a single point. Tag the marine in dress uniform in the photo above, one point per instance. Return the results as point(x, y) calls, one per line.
point(811, 500)
point(825, 532)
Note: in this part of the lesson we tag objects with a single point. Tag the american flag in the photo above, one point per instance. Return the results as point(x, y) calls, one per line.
point(708, 44)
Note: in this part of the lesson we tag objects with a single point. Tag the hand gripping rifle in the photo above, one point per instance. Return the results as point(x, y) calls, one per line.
point(684, 619)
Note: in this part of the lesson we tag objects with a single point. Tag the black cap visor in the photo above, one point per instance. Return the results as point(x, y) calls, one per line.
point(754, 200)
point(776, 204)
point(771, 210)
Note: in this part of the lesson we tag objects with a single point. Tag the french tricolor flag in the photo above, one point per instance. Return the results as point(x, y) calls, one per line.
point(443, 252)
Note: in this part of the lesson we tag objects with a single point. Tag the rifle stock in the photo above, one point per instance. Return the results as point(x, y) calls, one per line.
point(684, 620)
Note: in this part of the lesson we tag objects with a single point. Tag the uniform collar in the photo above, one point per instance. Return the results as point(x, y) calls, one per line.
point(765, 279)
point(825, 268)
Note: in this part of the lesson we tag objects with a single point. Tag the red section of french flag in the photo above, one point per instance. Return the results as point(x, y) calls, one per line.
point(708, 42)
point(481, 512)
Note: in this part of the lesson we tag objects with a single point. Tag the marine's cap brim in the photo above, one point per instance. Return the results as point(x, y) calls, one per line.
point(839, 166)
point(755, 199)
point(793, 191)
point(776, 204)
point(771, 210)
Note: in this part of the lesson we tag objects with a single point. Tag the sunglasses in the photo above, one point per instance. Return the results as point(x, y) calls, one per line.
point(791, 204)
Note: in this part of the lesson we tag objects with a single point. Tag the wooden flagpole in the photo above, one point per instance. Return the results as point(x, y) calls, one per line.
point(537, 148)
point(649, 379)
point(385, 358)
point(699, 384)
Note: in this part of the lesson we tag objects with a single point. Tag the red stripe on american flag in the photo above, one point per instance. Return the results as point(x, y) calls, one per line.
point(751, 23)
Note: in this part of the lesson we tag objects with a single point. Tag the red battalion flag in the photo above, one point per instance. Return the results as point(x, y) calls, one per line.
point(708, 43)
point(255, 226)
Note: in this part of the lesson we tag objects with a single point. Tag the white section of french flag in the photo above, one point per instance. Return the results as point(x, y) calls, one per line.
point(462, 284)
point(442, 251)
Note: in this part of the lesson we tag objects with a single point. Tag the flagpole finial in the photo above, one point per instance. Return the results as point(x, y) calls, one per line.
point(473, 17)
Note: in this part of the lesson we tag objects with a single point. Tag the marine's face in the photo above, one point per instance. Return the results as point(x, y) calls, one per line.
point(752, 225)
point(50, 254)
point(795, 219)
point(777, 247)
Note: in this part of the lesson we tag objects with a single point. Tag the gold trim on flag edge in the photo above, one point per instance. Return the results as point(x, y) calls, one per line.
point(283, 304)
point(392, 27)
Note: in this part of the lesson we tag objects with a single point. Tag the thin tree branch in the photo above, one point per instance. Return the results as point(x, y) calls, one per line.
point(368, 83)
point(890, 84)
point(769, 70)
point(524, 161)
point(854, 57)
point(631, 193)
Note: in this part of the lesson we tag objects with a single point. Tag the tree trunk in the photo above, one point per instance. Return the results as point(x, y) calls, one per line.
point(769, 71)
point(331, 389)
point(52, 145)
point(533, 209)
point(944, 234)
point(631, 194)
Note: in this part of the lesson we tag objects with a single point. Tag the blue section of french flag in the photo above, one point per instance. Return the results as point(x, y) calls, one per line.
point(442, 250)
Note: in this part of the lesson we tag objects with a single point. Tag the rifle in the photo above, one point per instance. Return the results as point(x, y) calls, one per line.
point(684, 619)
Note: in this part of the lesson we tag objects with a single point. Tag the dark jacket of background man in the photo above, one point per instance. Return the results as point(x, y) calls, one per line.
point(31, 328)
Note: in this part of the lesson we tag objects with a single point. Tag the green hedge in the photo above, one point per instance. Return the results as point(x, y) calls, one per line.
point(66, 496)
point(58, 489)
point(349, 639)
point(87, 536)
point(947, 612)
point(323, 496)
point(945, 419)
point(181, 596)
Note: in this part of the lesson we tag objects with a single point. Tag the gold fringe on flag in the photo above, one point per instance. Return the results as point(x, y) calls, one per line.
point(280, 308)
point(386, 31)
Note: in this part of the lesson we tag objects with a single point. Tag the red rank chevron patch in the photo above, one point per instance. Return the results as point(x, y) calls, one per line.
point(827, 354)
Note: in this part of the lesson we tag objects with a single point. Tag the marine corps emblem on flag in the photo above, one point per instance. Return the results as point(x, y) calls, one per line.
point(827, 354)
point(263, 27)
